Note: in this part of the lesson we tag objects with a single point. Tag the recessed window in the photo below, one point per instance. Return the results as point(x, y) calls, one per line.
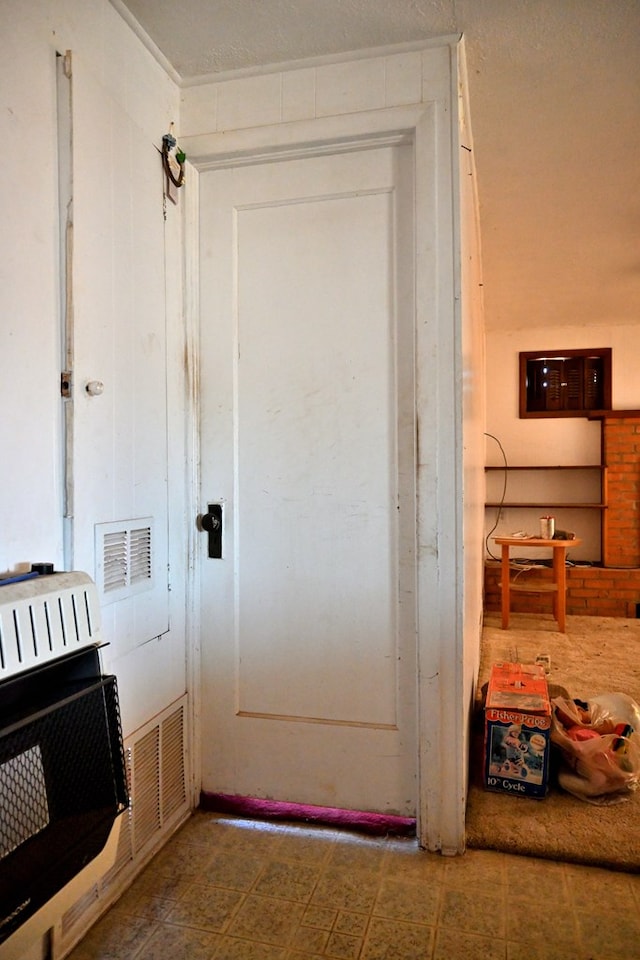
point(565, 383)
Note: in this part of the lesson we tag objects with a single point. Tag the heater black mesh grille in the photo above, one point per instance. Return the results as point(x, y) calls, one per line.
point(24, 809)
point(62, 783)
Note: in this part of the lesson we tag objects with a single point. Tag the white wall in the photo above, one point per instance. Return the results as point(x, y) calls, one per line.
point(123, 103)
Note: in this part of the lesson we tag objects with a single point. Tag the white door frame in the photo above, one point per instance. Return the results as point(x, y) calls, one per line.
point(439, 669)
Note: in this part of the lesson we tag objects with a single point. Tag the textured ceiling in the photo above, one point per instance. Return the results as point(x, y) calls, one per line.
point(201, 37)
point(555, 110)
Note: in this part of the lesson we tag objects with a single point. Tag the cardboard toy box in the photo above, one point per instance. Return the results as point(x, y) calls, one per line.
point(517, 726)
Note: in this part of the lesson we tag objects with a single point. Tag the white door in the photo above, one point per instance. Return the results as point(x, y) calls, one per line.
point(307, 442)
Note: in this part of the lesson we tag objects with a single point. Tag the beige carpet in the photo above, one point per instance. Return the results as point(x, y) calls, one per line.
point(596, 655)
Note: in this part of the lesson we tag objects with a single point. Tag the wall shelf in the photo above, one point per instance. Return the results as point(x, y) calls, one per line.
point(553, 488)
point(539, 505)
point(556, 477)
point(538, 466)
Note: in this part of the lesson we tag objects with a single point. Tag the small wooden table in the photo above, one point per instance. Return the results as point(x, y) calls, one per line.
point(558, 587)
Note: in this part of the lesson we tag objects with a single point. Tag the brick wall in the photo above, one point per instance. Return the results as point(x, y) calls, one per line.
point(621, 521)
point(591, 591)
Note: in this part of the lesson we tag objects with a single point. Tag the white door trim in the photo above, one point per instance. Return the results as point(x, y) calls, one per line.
point(191, 280)
point(439, 668)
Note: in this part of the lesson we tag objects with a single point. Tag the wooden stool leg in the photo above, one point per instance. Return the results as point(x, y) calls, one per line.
point(505, 582)
point(560, 577)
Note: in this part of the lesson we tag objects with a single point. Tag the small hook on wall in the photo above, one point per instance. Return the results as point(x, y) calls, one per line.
point(173, 159)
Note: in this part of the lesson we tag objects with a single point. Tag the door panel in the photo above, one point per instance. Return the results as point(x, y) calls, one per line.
point(307, 405)
point(116, 443)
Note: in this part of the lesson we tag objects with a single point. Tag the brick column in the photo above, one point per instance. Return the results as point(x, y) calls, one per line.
point(621, 448)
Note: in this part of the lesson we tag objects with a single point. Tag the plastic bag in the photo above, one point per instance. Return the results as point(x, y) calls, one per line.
point(600, 744)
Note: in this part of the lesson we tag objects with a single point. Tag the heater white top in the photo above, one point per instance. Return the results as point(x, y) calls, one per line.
point(46, 617)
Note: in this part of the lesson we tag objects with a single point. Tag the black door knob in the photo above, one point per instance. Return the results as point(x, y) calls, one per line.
point(211, 523)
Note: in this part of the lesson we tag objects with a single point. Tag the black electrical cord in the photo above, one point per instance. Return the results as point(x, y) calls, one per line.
point(502, 498)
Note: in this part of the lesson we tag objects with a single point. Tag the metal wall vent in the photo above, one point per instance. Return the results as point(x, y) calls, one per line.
point(140, 554)
point(80, 910)
point(124, 557)
point(146, 776)
point(158, 777)
point(159, 803)
point(173, 794)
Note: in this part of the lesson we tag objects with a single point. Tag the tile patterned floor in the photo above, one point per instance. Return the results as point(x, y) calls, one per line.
point(230, 889)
